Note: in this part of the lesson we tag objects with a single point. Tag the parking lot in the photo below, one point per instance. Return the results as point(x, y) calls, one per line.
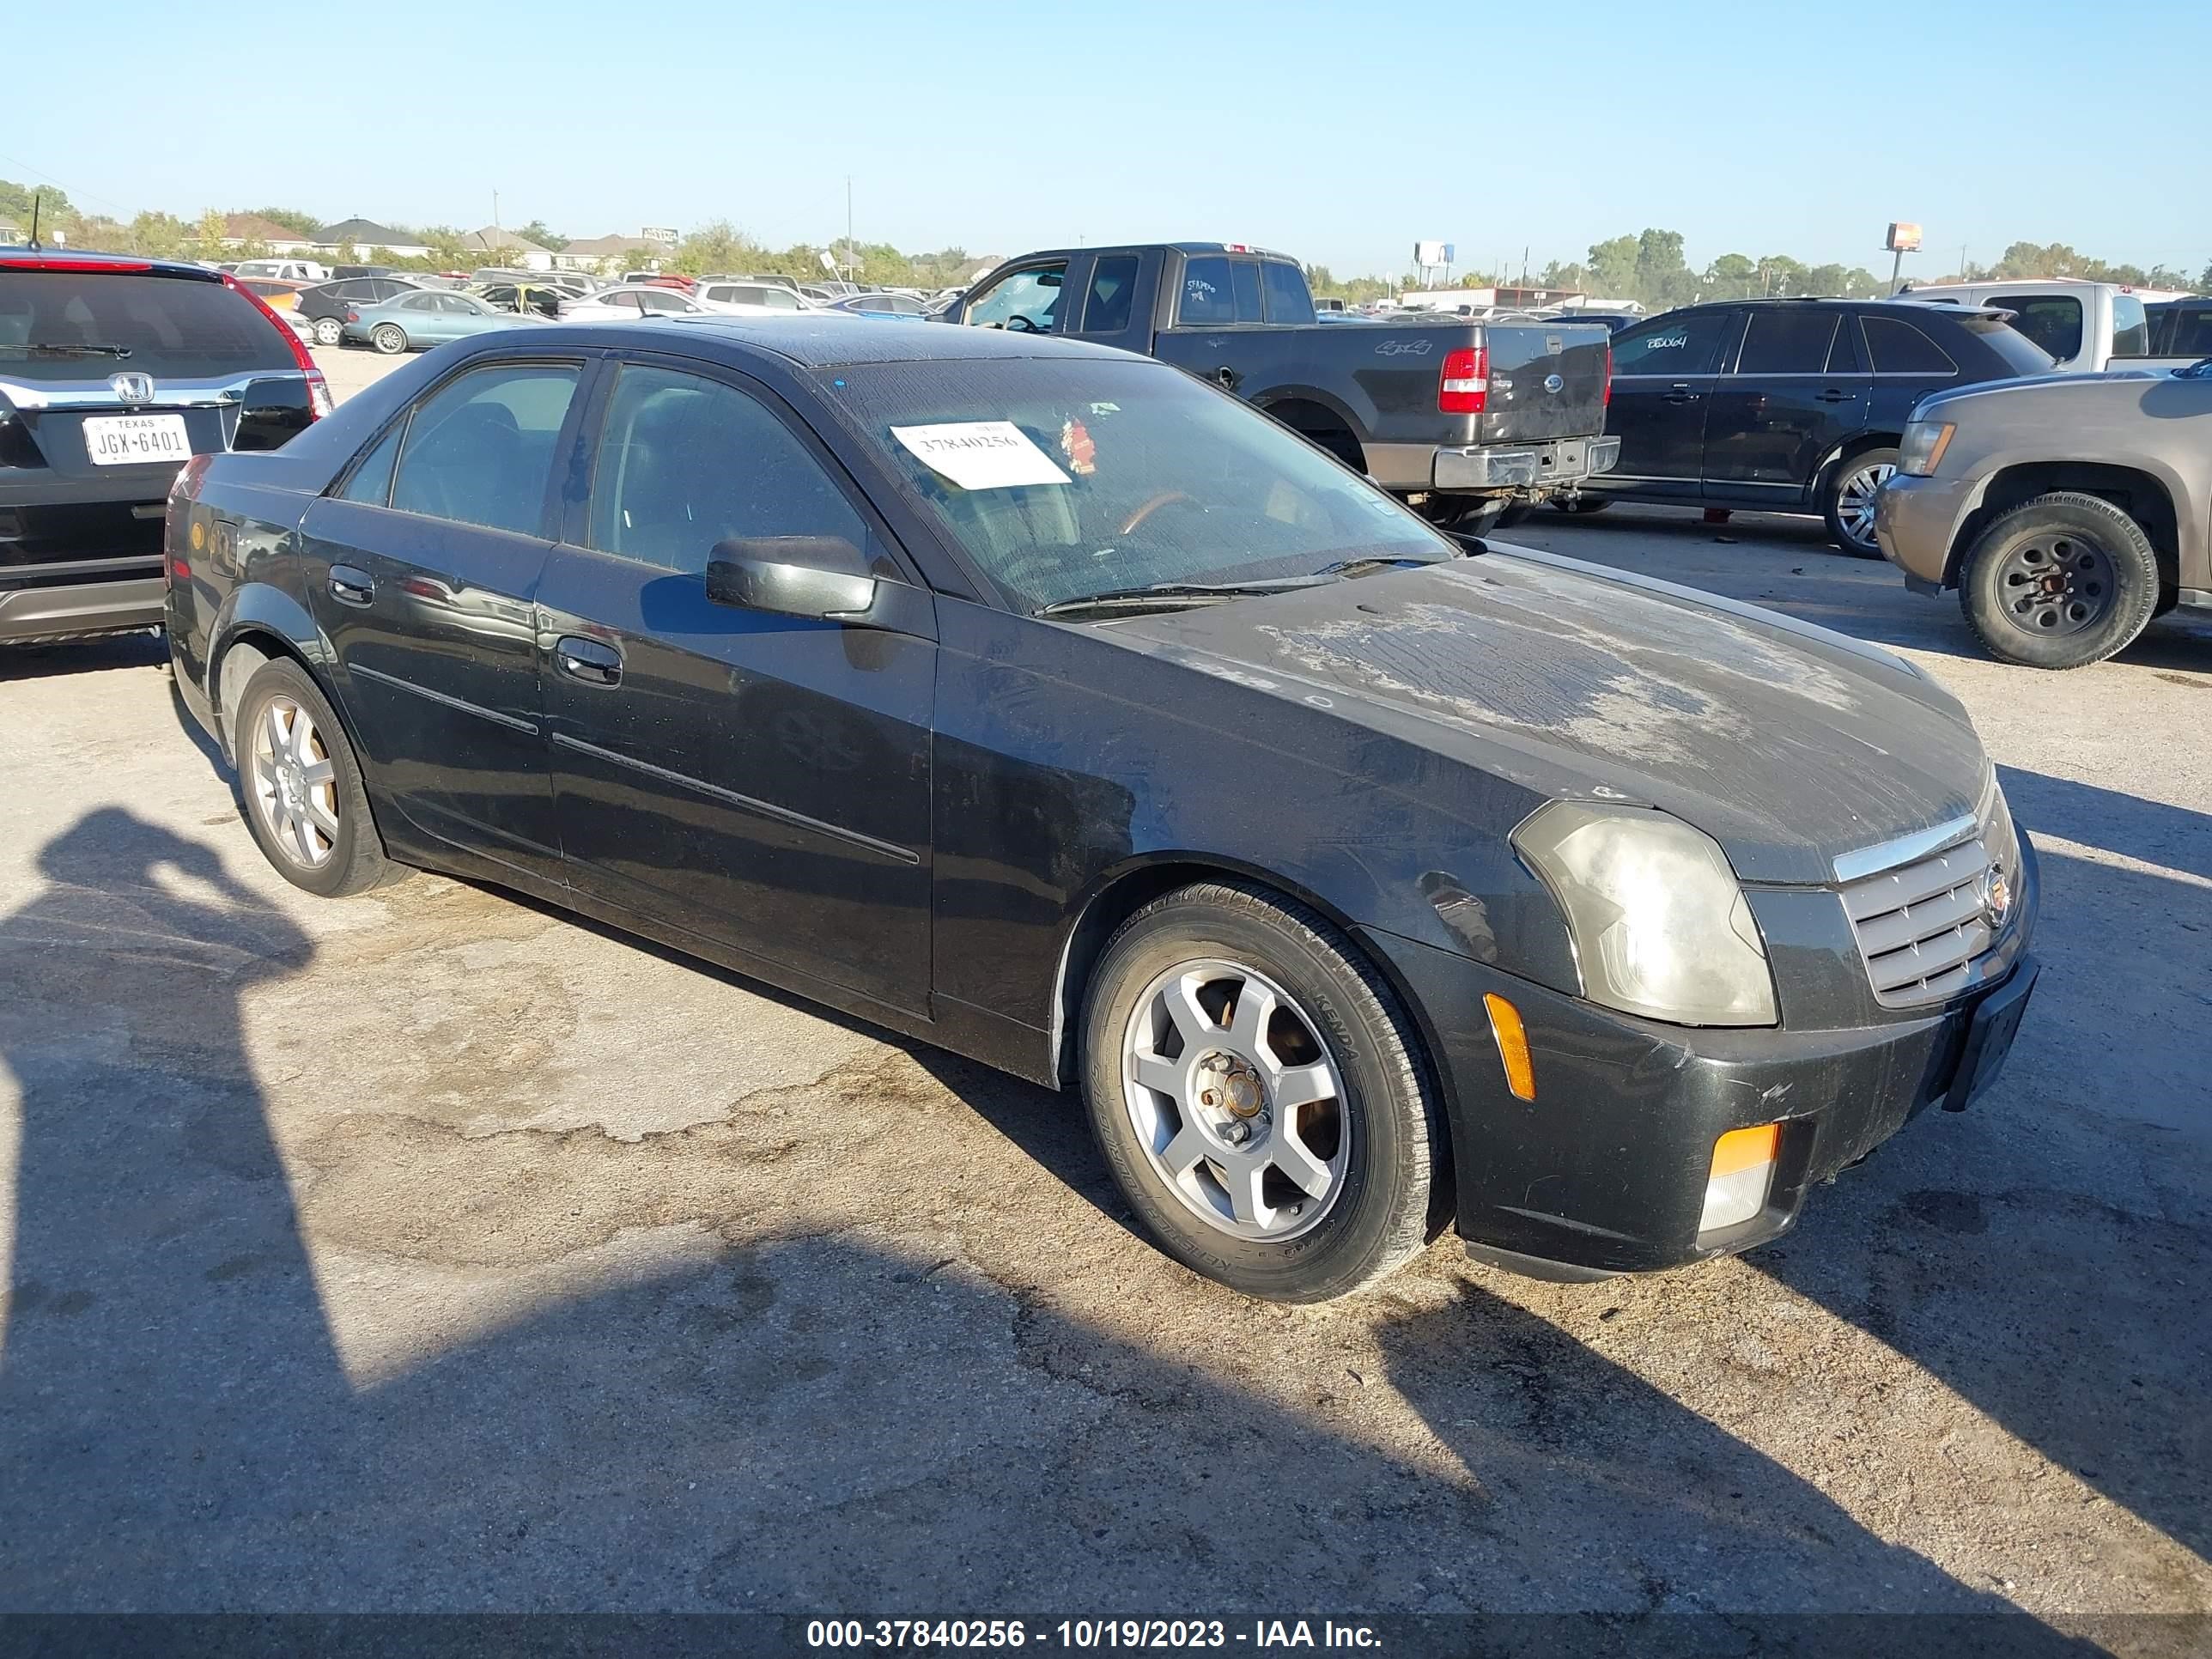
point(431, 1249)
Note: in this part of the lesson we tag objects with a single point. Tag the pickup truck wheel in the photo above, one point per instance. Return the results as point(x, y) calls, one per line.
point(2061, 582)
point(1257, 1095)
point(1582, 503)
point(305, 801)
point(1847, 502)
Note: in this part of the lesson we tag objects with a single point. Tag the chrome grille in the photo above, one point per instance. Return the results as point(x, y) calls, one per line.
point(1920, 924)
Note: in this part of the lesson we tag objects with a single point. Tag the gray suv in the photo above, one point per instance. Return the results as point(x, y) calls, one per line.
point(2066, 511)
point(114, 372)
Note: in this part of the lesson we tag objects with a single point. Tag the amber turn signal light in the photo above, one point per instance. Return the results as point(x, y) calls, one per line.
point(1512, 1046)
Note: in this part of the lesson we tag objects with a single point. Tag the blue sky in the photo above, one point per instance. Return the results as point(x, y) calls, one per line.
point(1340, 132)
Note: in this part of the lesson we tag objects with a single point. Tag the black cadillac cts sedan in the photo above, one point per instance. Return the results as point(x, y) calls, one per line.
point(1044, 703)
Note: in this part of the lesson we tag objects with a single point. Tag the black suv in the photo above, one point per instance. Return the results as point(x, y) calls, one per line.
point(113, 372)
point(1789, 406)
point(326, 306)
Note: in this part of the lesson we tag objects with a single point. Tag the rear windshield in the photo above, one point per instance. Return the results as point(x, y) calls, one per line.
point(2021, 355)
point(164, 326)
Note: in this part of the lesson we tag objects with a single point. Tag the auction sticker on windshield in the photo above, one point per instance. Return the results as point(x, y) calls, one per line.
point(135, 440)
point(979, 455)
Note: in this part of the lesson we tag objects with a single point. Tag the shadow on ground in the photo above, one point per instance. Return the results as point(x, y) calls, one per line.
point(836, 1420)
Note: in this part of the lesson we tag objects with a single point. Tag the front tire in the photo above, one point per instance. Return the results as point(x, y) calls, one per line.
point(327, 329)
point(1847, 502)
point(2061, 582)
point(1259, 1095)
point(305, 800)
point(389, 338)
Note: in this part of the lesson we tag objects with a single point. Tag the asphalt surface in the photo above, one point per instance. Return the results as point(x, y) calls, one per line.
point(433, 1250)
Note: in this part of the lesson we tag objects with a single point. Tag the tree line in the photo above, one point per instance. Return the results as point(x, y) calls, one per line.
point(1649, 267)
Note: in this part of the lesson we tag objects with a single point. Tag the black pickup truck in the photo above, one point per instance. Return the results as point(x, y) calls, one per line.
point(1461, 418)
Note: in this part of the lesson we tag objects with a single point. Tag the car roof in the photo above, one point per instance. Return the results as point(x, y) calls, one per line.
point(821, 344)
point(58, 259)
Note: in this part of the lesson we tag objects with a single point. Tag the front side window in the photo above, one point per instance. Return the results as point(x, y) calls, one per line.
point(1685, 344)
point(1787, 340)
point(1022, 299)
point(2052, 321)
point(1898, 347)
point(479, 450)
point(1127, 473)
point(685, 463)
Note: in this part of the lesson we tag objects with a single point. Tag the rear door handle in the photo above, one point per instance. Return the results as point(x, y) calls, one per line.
point(1679, 394)
point(1832, 396)
point(592, 661)
point(351, 586)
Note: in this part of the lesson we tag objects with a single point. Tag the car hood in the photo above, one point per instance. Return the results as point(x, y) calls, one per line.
point(1787, 744)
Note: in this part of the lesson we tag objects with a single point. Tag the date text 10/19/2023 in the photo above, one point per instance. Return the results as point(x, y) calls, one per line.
point(1263, 1635)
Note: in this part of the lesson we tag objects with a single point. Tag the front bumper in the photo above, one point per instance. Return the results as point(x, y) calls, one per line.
point(1916, 522)
point(1560, 464)
point(1605, 1172)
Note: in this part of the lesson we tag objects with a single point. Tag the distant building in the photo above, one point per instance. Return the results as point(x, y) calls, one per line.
point(242, 229)
point(504, 247)
point(367, 237)
point(609, 254)
point(11, 233)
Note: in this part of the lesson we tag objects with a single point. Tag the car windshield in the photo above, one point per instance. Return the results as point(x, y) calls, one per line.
point(164, 326)
point(1071, 477)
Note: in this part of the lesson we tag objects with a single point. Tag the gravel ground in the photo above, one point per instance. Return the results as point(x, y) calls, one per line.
point(433, 1250)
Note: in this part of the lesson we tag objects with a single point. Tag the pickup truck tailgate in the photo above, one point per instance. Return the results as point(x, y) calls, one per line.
point(1545, 381)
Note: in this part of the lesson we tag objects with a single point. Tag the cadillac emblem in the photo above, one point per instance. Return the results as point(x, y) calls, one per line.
point(1996, 896)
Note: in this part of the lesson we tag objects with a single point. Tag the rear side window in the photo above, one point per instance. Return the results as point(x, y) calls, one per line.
point(1898, 347)
point(371, 483)
point(2130, 327)
point(479, 450)
point(169, 327)
point(1208, 300)
point(2190, 335)
point(1787, 340)
point(1113, 289)
point(1687, 344)
point(1288, 300)
point(685, 463)
point(2052, 321)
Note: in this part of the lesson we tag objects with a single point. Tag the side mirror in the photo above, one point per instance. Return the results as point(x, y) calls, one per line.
point(810, 576)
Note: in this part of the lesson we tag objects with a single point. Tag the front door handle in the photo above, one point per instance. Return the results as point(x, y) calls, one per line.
point(351, 586)
point(592, 661)
point(1679, 394)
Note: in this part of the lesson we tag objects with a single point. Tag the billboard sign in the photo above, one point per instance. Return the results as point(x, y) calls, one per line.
point(1902, 239)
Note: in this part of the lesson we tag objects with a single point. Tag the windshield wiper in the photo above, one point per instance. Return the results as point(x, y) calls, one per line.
point(1175, 596)
point(68, 349)
point(1363, 566)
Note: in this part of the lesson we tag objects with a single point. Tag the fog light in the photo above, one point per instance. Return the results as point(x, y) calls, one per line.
point(1742, 1173)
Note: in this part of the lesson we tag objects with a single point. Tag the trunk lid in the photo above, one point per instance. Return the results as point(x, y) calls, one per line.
point(1546, 381)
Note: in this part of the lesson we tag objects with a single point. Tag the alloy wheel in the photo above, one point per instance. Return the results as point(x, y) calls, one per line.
point(294, 785)
point(1855, 501)
point(2055, 584)
point(1235, 1100)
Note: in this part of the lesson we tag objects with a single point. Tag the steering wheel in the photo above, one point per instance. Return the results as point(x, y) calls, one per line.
point(1165, 498)
point(1021, 325)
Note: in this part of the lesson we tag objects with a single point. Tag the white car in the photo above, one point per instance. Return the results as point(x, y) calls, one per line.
point(287, 271)
point(628, 304)
point(752, 299)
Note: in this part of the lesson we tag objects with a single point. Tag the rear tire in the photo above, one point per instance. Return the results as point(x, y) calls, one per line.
point(388, 339)
point(2061, 582)
point(1847, 499)
point(327, 330)
point(305, 800)
point(1335, 1152)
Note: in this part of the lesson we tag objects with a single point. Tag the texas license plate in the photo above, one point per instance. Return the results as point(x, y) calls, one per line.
point(136, 439)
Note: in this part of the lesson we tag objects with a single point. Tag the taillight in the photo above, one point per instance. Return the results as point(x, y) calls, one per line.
point(1607, 402)
point(1465, 387)
point(319, 390)
point(353, 316)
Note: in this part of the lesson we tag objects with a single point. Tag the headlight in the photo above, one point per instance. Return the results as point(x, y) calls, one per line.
point(1660, 923)
point(1921, 451)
